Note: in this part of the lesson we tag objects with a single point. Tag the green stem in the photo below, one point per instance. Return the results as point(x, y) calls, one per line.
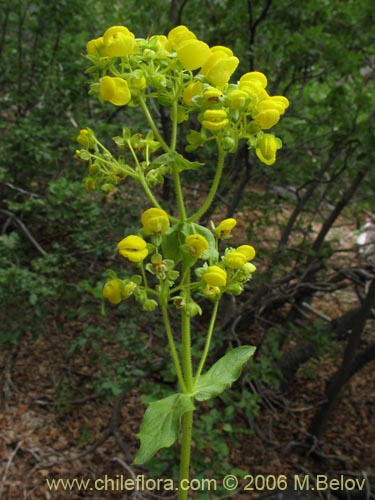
point(214, 187)
point(141, 177)
point(151, 122)
point(187, 420)
point(208, 341)
point(179, 195)
point(187, 430)
point(172, 347)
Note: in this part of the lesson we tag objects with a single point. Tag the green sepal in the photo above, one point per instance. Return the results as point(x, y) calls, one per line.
point(223, 373)
point(160, 427)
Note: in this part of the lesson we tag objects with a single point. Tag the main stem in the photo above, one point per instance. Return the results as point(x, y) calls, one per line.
point(187, 419)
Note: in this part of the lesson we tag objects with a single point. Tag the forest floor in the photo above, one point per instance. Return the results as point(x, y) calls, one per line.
point(54, 426)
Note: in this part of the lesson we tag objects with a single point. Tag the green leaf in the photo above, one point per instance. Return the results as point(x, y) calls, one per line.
point(223, 373)
point(175, 238)
point(177, 161)
point(161, 425)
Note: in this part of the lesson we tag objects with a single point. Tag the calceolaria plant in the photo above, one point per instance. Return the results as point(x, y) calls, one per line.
point(178, 263)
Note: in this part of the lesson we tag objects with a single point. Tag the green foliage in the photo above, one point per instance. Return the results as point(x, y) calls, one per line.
point(161, 425)
point(223, 373)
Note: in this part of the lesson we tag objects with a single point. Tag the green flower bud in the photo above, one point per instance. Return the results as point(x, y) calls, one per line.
point(149, 305)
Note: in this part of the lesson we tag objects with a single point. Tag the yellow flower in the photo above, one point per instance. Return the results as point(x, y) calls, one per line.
point(211, 291)
point(112, 291)
point(164, 44)
point(219, 66)
point(267, 147)
point(267, 119)
point(225, 227)
point(215, 119)
point(133, 248)
point(119, 42)
point(180, 34)
point(215, 276)
point(271, 103)
point(235, 260)
point(247, 250)
point(192, 90)
point(192, 53)
point(212, 95)
point(249, 268)
point(86, 138)
point(237, 99)
point(196, 244)
point(254, 84)
point(95, 46)
point(155, 221)
point(256, 78)
point(115, 90)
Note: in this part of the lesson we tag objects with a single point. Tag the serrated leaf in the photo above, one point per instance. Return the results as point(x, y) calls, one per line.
point(161, 425)
point(223, 373)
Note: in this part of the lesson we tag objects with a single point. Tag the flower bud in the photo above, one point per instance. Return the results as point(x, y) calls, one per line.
point(133, 248)
point(234, 289)
point(192, 309)
point(89, 184)
point(86, 138)
point(211, 291)
point(149, 305)
point(112, 291)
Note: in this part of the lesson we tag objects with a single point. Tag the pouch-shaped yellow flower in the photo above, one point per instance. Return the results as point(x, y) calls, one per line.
point(133, 248)
point(155, 222)
point(112, 291)
point(115, 90)
point(219, 67)
point(192, 54)
point(215, 276)
point(119, 42)
point(267, 147)
point(196, 244)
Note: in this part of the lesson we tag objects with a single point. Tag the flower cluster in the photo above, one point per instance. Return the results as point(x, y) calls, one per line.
point(159, 249)
point(189, 78)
